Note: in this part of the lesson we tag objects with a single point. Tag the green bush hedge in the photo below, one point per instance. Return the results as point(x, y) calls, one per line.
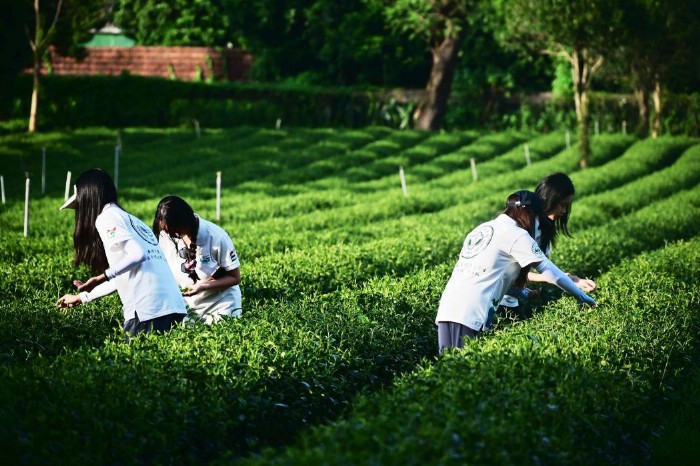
point(123, 101)
point(323, 321)
point(566, 387)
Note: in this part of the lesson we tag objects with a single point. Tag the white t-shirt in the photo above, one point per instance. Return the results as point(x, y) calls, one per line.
point(491, 259)
point(512, 301)
point(215, 250)
point(148, 288)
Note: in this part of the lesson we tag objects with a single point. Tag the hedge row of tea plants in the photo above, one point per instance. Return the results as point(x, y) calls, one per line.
point(456, 207)
point(298, 362)
point(322, 322)
point(566, 387)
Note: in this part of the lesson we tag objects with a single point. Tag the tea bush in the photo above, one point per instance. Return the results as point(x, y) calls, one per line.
point(341, 280)
point(565, 387)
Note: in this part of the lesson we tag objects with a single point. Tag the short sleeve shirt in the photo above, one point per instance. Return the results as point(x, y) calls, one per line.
point(147, 289)
point(215, 250)
point(512, 301)
point(490, 260)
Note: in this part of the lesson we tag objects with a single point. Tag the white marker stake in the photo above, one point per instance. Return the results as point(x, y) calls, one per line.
point(65, 196)
point(196, 129)
point(527, 155)
point(26, 208)
point(474, 175)
point(403, 181)
point(117, 152)
point(43, 170)
point(278, 124)
point(624, 127)
point(597, 128)
point(2, 188)
point(568, 139)
point(218, 195)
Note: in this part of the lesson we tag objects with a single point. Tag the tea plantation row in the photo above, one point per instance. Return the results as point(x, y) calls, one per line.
point(323, 321)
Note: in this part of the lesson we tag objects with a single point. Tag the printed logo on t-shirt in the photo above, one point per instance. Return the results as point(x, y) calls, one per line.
point(143, 231)
point(477, 241)
point(111, 233)
point(536, 250)
point(234, 256)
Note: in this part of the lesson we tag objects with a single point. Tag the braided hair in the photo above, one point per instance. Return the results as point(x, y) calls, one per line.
point(525, 207)
point(174, 216)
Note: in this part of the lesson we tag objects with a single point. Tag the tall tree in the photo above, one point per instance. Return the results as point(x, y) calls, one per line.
point(173, 22)
point(582, 32)
point(63, 23)
point(439, 24)
point(660, 42)
point(39, 42)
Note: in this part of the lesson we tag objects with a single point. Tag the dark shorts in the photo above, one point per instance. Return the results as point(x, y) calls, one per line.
point(164, 323)
point(452, 335)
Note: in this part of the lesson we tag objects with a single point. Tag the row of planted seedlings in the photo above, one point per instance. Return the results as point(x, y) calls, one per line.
point(440, 233)
point(494, 153)
point(335, 186)
point(252, 382)
point(620, 193)
point(289, 192)
point(248, 166)
point(181, 163)
point(149, 152)
point(323, 268)
point(432, 239)
point(332, 170)
point(565, 387)
point(393, 247)
point(346, 224)
point(386, 215)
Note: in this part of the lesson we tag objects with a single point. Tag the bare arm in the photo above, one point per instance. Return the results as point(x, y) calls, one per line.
point(224, 280)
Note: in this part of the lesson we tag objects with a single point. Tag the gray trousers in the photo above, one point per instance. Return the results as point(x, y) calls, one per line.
point(452, 335)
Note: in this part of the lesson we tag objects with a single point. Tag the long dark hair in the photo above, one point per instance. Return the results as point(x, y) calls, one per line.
point(173, 214)
point(552, 190)
point(524, 207)
point(94, 190)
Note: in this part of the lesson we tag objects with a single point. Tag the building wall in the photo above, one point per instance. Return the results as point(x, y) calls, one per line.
point(184, 63)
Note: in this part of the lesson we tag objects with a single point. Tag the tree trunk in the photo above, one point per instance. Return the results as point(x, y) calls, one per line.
point(430, 113)
point(583, 66)
point(35, 94)
point(641, 95)
point(656, 125)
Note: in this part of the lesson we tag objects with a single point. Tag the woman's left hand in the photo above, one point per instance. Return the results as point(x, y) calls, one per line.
point(92, 283)
point(193, 290)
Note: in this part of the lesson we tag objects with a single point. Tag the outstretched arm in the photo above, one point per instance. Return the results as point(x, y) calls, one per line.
point(100, 285)
point(584, 284)
point(552, 274)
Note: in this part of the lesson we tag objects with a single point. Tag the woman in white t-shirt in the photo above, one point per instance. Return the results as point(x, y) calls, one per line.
point(495, 256)
point(124, 256)
point(203, 259)
point(557, 194)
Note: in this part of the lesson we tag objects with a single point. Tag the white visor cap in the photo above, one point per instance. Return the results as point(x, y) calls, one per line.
point(70, 202)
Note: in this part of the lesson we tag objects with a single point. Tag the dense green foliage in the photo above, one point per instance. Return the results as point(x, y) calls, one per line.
point(123, 101)
point(341, 279)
